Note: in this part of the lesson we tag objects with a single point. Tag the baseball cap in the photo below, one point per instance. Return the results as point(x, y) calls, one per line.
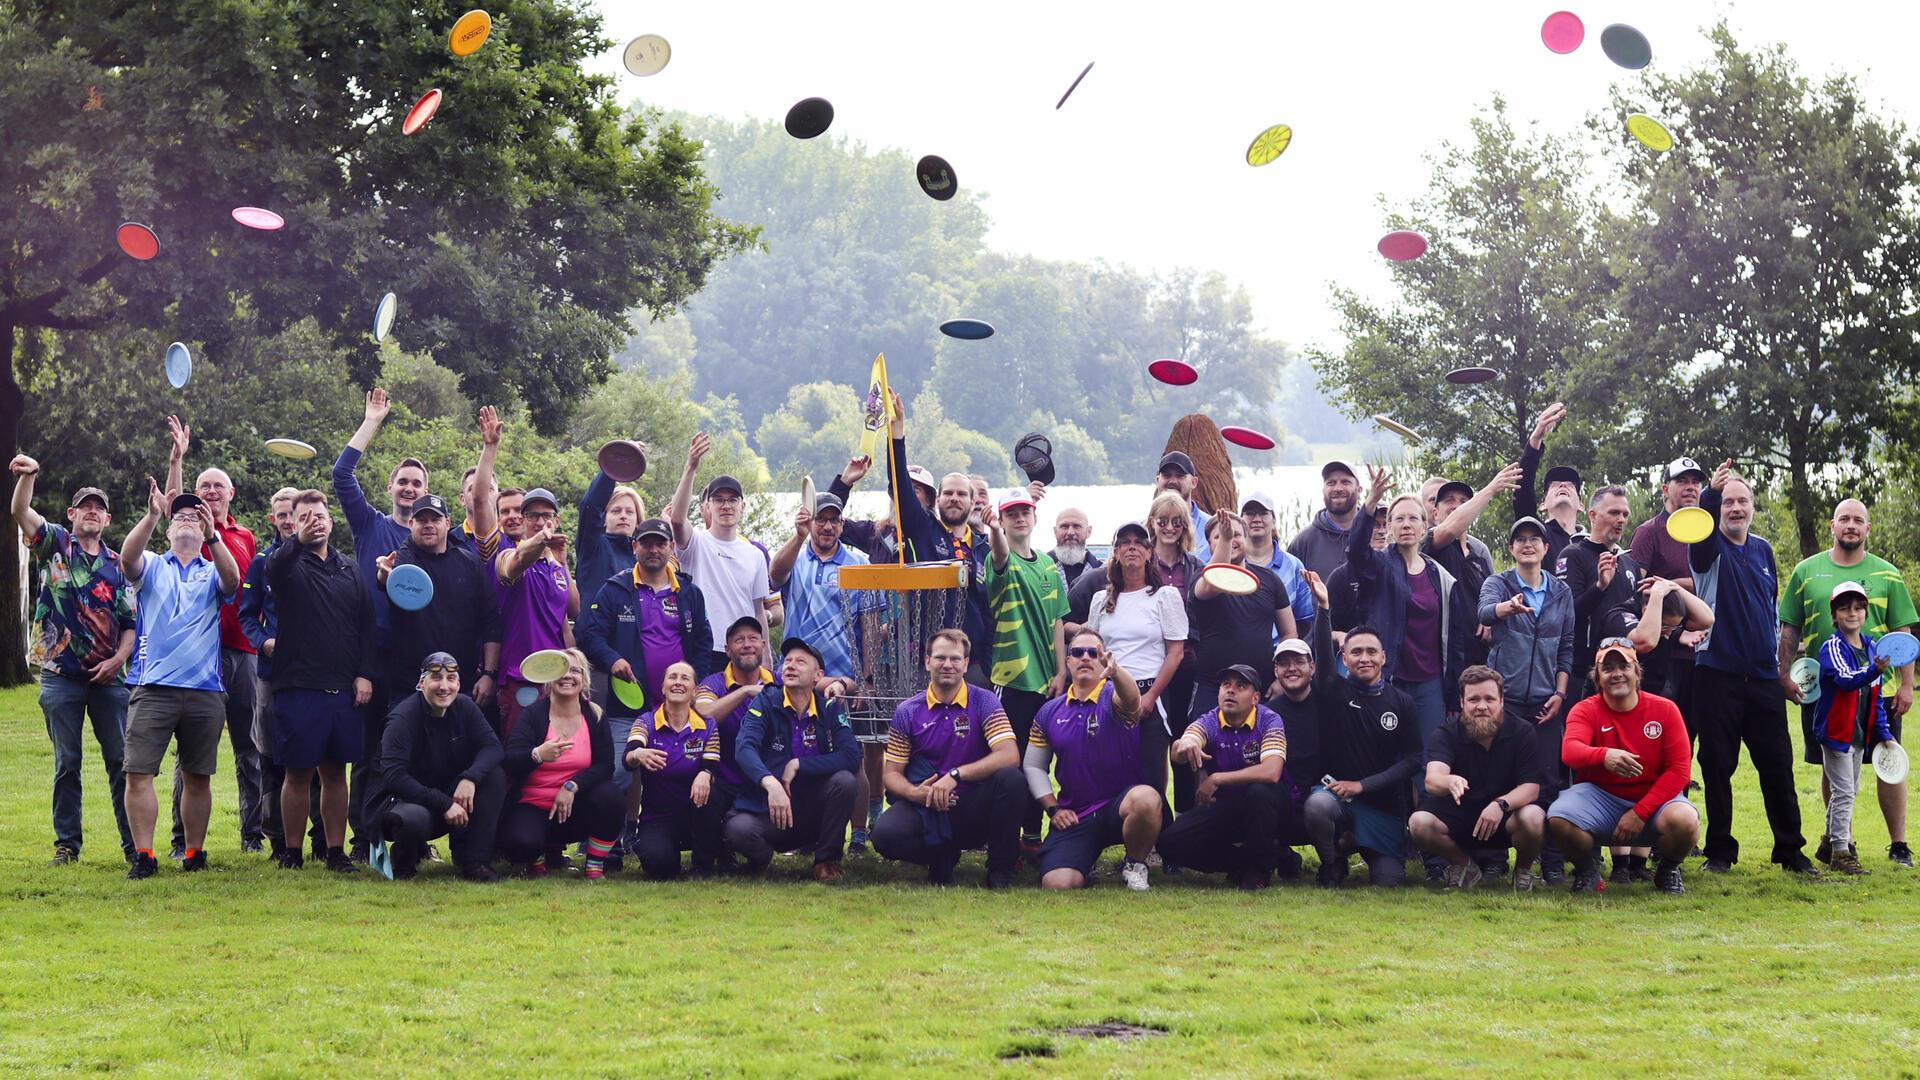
point(1465, 490)
point(719, 484)
point(1615, 645)
point(1133, 527)
point(1016, 498)
point(439, 659)
point(1681, 466)
point(1260, 499)
point(827, 500)
point(1243, 672)
point(1292, 645)
point(1177, 460)
point(1846, 589)
point(537, 495)
point(794, 643)
point(747, 621)
point(182, 501)
point(1528, 522)
point(653, 527)
point(920, 475)
point(430, 504)
point(1332, 467)
point(86, 493)
point(1562, 472)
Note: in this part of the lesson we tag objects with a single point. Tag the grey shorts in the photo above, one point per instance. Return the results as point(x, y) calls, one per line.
point(156, 715)
point(1595, 810)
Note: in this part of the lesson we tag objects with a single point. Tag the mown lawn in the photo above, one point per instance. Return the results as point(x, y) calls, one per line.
point(252, 971)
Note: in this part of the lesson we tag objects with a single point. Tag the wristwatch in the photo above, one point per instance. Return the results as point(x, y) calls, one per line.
point(570, 787)
point(954, 773)
point(1504, 808)
point(489, 673)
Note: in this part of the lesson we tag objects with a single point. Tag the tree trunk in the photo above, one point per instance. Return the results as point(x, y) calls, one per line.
point(1800, 498)
point(13, 629)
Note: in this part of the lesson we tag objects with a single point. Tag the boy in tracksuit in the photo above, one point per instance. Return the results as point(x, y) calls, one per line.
point(1849, 715)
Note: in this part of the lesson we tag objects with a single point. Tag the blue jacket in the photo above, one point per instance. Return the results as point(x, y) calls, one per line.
point(1846, 674)
point(1384, 593)
point(597, 556)
point(1529, 650)
point(257, 618)
point(609, 630)
point(762, 748)
point(929, 541)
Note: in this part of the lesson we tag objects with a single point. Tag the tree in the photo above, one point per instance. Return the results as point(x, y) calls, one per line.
point(813, 434)
point(1774, 252)
point(518, 227)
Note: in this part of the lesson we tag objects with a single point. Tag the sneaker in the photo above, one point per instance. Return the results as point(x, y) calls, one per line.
point(197, 863)
point(1717, 866)
point(1554, 874)
point(62, 855)
point(999, 879)
point(1437, 871)
point(251, 845)
point(291, 860)
point(339, 863)
point(1900, 853)
point(534, 870)
point(317, 848)
point(358, 853)
point(144, 866)
point(1332, 875)
point(1524, 881)
point(1255, 880)
point(1462, 877)
point(828, 872)
point(1288, 864)
point(1029, 853)
point(479, 873)
point(1586, 877)
point(1154, 861)
point(1494, 867)
point(858, 844)
point(176, 853)
point(1666, 878)
point(1134, 873)
point(1171, 869)
point(1800, 864)
point(1621, 875)
point(1846, 862)
point(1825, 851)
point(1639, 871)
point(432, 854)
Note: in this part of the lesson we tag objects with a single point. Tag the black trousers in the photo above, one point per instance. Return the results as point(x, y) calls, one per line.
point(1022, 706)
point(988, 813)
point(658, 842)
point(408, 826)
point(1237, 833)
point(822, 807)
point(526, 832)
point(1734, 709)
point(1204, 697)
point(373, 721)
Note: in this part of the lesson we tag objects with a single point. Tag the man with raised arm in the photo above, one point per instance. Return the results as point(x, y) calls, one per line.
point(730, 569)
point(1561, 522)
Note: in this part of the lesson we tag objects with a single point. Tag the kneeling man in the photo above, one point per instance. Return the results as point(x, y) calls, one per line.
point(1631, 763)
point(798, 754)
point(1237, 818)
point(1094, 729)
point(953, 774)
point(1483, 786)
point(439, 775)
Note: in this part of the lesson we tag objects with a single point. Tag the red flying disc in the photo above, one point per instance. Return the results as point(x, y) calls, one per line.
point(1403, 245)
point(1173, 372)
point(138, 241)
point(255, 218)
point(1562, 32)
point(1247, 437)
point(421, 112)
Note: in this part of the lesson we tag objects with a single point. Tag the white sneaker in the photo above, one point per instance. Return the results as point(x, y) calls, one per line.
point(1134, 873)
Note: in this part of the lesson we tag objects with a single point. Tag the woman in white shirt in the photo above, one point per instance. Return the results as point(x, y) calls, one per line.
point(1144, 623)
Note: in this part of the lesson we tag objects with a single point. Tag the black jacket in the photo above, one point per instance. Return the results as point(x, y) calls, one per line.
point(531, 730)
point(326, 631)
point(462, 619)
point(423, 757)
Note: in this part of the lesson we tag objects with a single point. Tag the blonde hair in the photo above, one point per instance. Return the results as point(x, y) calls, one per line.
point(1170, 505)
point(621, 491)
point(1417, 501)
point(287, 493)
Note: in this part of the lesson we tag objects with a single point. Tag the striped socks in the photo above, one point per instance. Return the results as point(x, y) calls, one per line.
point(597, 852)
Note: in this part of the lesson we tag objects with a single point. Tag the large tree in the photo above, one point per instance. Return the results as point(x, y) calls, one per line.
point(518, 227)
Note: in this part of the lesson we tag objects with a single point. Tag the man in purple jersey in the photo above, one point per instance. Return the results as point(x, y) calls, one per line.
point(540, 597)
point(953, 774)
point(722, 698)
point(1094, 729)
point(1239, 750)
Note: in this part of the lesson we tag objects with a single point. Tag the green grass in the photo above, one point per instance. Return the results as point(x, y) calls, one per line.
point(253, 971)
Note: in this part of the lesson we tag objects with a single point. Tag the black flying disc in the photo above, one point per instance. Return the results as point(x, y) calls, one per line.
point(810, 118)
point(937, 178)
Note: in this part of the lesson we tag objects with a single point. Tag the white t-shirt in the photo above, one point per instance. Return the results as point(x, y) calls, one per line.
point(732, 575)
point(1138, 630)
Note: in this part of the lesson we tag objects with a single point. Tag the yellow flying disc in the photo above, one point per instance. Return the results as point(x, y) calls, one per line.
point(544, 666)
point(1690, 525)
point(1652, 134)
point(291, 448)
point(1269, 144)
point(470, 32)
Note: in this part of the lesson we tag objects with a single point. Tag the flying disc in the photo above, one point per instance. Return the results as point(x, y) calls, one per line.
point(967, 329)
point(1173, 372)
point(1690, 525)
point(421, 112)
point(1563, 32)
point(291, 448)
point(544, 666)
point(1890, 763)
point(809, 118)
point(1467, 376)
point(255, 218)
point(1230, 579)
point(1652, 133)
point(1396, 427)
point(1805, 673)
point(409, 587)
point(470, 32)
point(936, 178)
point(1626, 46)
point(179, 365)
point(1899, 648)
point(631, 694)
point(383, 314)
point(623, 460)
point(526, 696)
point(137, 241)
point(1247, 437)
point(647, 55)
point(807, 494)
point(1269, 144)
point(1402, 245)
point(1075, 86)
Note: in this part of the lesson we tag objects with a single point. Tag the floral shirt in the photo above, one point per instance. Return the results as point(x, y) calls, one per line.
point(83, 607)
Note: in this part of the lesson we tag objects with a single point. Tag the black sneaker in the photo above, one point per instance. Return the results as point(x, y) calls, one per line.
point(1287, 864)
point(292, 860)
point(62, 855)
point(1799, 864)
point(1332, 875)
point(196, 863)
point(1638, 870)
point(1585, 882)
point(1717, 866)
point(1900, 853)
point(1621, 875)
point(144, 866)
point(339, 863)
point(999, 879)
point(1825, 851)
point(358, 853)
point(176, 853)
point(1553, 873)
point(1666, 878)
point(482, 874)
point(251, 845)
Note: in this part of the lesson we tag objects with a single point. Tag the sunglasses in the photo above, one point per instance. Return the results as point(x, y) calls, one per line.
point(443, 669)
point(1085, 652)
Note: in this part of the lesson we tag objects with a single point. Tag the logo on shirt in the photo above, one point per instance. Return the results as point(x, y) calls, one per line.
point(1652, 730)
point(694, 745)
point(1389, 721)
point(670, 605)
point(962, 725)
point(1250, 753)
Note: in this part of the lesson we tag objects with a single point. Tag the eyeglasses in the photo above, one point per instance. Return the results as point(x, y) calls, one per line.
point(1528, 539)
point(1084, 652)
point(725, 500)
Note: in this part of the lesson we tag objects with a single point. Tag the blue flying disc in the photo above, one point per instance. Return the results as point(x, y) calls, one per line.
point(179, 365)
point(409, 587)
point(967, 329)
point(526, 696)
point(383, 314)
point(1900, 648)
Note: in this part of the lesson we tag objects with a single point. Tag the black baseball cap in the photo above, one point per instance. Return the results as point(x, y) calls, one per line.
point(747, 622)
point(1465, 489)
point(653, 527)
point(430, 504)
point(827, 500)
point(1178, 460)
point(182, 501)
point(1243, 672)
point(86, 493)
point(719, 484)
point(800, 644)
point(1562, 472)
point(1526, 523)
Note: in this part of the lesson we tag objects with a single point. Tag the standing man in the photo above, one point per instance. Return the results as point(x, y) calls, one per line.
point(1462, 554)
point(1225, 629)
point(375, 534)
point(1322, 546)
point(84, 637)
point(1242, 809)
point(479, 496)
point(609, 513)
point(944, 533)
point(176, 668)
point(1070, 552)
point(259, 620)
point(1176, 475)
point(540, 598)
point(1263, 549)
point(1604, 579)
point(1029, 606)
point(1562, 520)
point(1661, 556)
point(1482, 787)
point(1806, 621)
point(1737, 685)
point(731, 570)
point(798, 755)
point(462, 618)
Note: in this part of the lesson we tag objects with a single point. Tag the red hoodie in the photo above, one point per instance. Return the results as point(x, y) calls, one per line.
point(1652, 730)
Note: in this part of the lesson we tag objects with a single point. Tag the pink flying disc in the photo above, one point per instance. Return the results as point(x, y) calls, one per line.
point(138, 241)
point(421, 112)
point(255, 218)
point(1563, 32)
point(1403, 245)
point(1247, 437)
point(1173, 372)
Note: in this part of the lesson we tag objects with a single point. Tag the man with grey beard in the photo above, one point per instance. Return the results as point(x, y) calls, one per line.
point(1070, 545)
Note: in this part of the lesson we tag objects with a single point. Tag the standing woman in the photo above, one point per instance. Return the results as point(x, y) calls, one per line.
point(1144, 622)
point(1410, 599)
point(664, 752)
point(560, 757)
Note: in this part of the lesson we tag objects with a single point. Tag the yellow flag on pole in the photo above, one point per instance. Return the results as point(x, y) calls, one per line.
point(879, 408)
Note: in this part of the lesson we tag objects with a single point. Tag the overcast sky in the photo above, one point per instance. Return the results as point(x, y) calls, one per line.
point(1145, 163)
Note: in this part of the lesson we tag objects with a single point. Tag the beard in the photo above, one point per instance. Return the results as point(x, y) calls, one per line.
point(1850, 546)
point(955, 516)
point(1481, 729)
point(1070, 554)
point(1340, 502)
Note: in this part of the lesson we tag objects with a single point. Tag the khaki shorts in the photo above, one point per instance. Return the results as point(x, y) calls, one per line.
point(157, 714)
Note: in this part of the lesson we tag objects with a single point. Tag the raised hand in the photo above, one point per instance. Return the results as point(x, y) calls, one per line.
point(22, 465)
point(698, 449)
point(1320, 595)
point(489, 426)
point(1506, 479)
point(377, 405)
point(1379, 482)
point(1543, 427)
point(856, 469)
point(182, 436)
point(1722, 474)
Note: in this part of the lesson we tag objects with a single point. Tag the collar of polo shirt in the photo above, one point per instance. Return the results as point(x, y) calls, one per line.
point(813, 701)
point(673, 580)
point(1247, 724)
point(959, 700)
point(695, 722)
point(766, 677)
point(1094, 695)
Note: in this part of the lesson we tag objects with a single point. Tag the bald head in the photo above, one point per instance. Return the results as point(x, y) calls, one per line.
point(1850, 527)
point(1070, 528)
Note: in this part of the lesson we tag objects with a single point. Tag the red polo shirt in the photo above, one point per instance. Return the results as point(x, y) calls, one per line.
point(239, 541)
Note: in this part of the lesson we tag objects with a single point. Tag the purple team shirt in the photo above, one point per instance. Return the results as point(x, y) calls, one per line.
point(669, 792)
point(1241, 746)
point(927, 738)
point(719, 748)
point(534, 615)
point(658, 612)
point(1096, 757)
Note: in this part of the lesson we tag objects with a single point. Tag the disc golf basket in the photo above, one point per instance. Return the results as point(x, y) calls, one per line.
point(890, 637)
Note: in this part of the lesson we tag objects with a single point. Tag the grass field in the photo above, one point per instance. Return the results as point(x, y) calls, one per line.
point(253, 971)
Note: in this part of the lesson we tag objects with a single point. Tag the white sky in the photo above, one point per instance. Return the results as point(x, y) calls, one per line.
point(1145, 164)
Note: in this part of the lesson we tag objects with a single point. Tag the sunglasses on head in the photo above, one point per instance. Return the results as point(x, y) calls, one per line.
point(443, 669)
point(1084, 651)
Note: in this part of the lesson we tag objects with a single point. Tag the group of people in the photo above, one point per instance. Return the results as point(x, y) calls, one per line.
point(1374, 688)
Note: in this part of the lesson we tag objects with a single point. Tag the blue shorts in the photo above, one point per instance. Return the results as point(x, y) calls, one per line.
point(312, 726)
point(1079, 848)
point(1373, 828)
point(1593, 809)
